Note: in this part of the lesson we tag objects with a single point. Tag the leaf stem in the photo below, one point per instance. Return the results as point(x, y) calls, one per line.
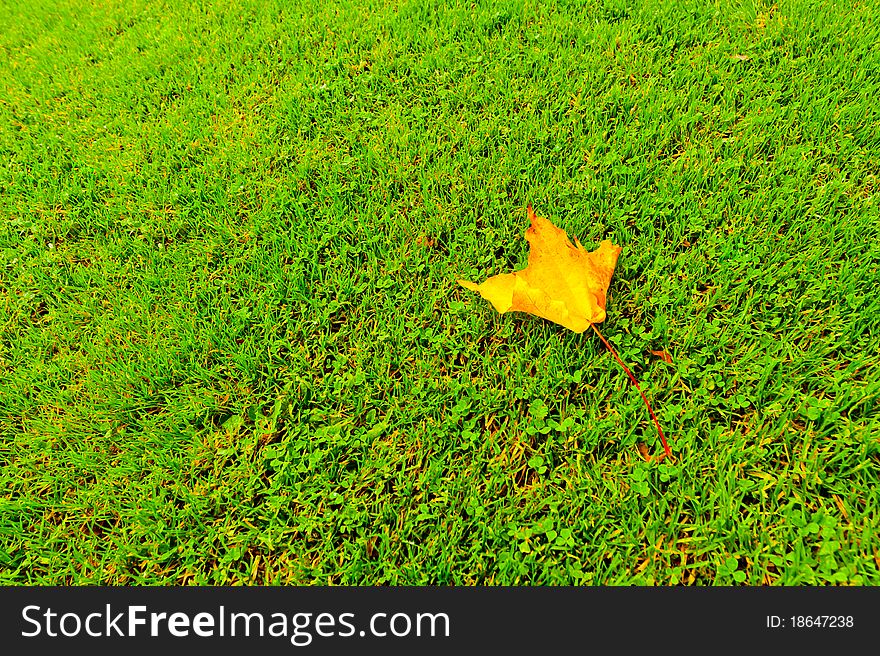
point(636, 383)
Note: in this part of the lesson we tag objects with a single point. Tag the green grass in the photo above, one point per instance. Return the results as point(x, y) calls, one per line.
point(232, 347)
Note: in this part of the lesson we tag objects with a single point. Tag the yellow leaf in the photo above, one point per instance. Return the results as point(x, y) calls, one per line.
point(563, 283)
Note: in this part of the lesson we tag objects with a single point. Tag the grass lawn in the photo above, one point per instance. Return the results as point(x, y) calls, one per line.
point(232, 345)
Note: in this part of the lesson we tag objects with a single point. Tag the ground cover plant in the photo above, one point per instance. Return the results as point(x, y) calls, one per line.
point(232, 345)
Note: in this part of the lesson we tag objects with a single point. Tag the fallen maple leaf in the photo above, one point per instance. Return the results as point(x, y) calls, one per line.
point(563, 283)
